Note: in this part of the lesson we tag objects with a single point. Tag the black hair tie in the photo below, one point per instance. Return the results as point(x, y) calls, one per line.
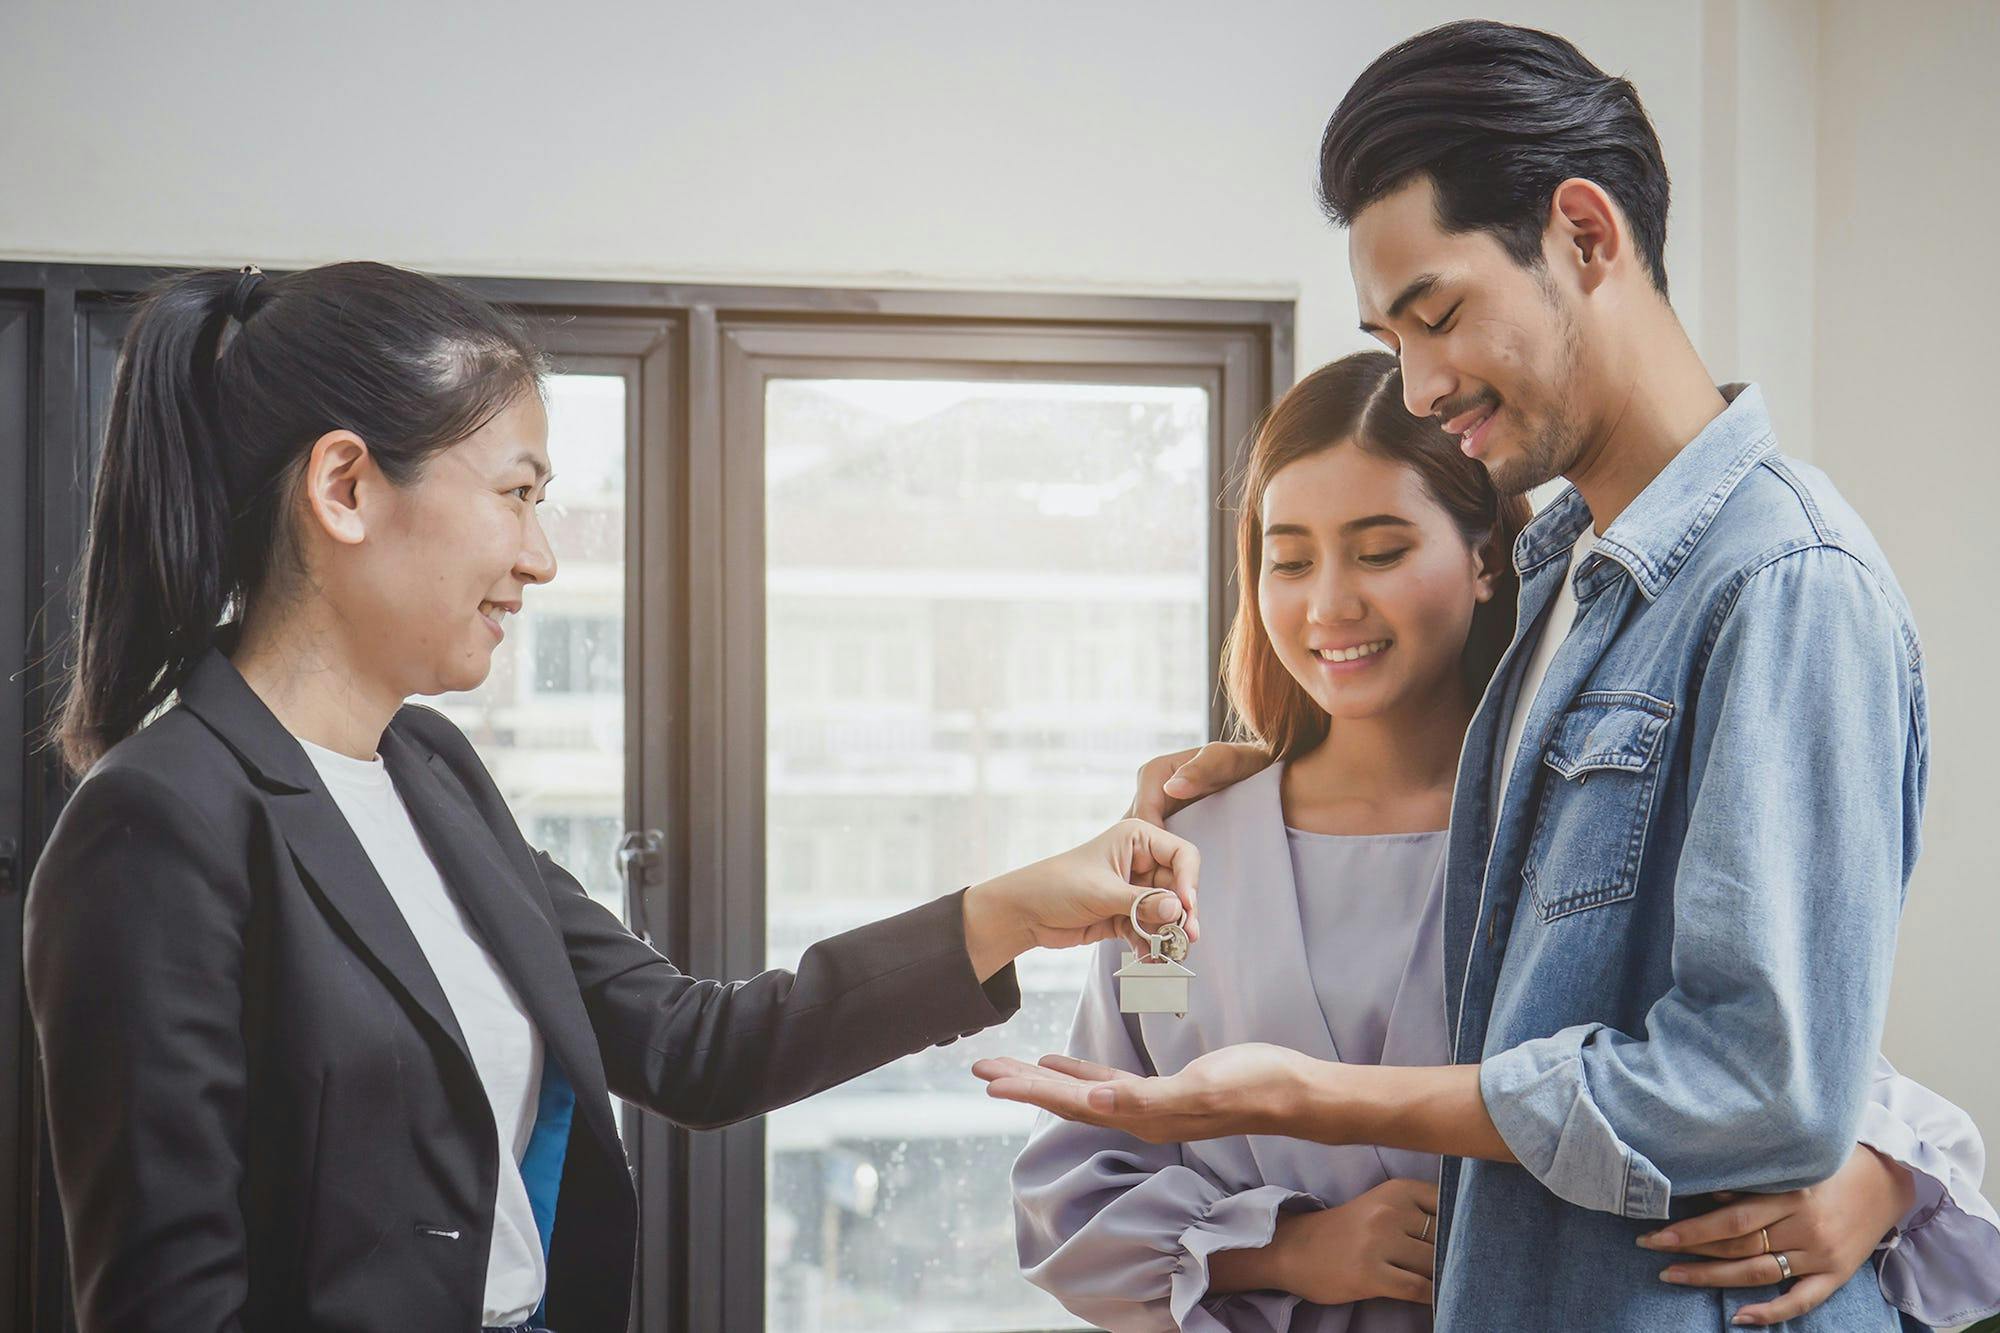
point(239, 299)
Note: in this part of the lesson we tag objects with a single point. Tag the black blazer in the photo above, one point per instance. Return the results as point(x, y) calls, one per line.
point(262, 1110)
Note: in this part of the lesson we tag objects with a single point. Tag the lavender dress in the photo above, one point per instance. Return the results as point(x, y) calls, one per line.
point(1331, 945)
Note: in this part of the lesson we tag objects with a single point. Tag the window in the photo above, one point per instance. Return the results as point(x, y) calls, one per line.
point(549, 722)
point(578, 655)
point(584, 843)
point(966, 532)
point(20, 801)
point(985, 581)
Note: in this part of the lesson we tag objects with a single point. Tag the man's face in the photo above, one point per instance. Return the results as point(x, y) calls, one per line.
point(1488, 347)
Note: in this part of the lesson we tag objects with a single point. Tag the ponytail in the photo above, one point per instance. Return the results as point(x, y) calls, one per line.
point(225, 380)
point(153, 582)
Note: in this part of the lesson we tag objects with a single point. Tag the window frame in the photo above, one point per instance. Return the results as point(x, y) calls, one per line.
point(694, 357)
point(1229, 364)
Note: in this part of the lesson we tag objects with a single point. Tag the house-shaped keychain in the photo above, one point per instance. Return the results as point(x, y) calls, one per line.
point(1153, 985)
point(1155, 982)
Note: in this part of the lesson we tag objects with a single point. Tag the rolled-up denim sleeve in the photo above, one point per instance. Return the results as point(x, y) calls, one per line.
point(1806, 776)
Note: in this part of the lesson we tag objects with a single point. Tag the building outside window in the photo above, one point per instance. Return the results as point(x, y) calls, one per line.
point(986, 603)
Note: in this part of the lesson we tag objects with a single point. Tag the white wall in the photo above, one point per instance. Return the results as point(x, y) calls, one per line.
point(1127, 146)
point(1757, 219)
point(1908, 296)
point(1828, 234)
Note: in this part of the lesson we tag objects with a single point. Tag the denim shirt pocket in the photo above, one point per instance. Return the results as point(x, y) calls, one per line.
point(1603, 756)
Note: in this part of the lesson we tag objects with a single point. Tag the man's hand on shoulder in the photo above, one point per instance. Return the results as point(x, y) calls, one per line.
point(1173, 782)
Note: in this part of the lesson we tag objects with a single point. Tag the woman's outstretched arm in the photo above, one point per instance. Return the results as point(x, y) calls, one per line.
point(708, 1053)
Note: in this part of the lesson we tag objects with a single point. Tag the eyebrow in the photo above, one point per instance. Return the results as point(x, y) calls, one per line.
point(1350, 527)
point(1420, 286)
point(542, 472)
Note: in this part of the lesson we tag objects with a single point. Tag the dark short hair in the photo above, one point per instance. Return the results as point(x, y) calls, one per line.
point(1496, 116)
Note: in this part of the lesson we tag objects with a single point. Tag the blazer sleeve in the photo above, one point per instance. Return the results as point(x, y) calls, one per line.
point(134, 955)
point(709, 1053)
point(1122, 1231)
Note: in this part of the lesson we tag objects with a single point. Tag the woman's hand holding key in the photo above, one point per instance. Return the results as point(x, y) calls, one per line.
point(1083, 895)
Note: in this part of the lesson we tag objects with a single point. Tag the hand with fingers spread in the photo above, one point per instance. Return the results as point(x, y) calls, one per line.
point(1251, 1088)
point(1815, 1238)
point(1083, 895)
point(1173, 782)
point(1379, 1244)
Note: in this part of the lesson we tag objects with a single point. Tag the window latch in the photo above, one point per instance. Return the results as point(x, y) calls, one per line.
point(638, 853)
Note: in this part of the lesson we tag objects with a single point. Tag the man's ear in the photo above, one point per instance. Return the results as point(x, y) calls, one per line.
point(338, 472)
point(1585, 236)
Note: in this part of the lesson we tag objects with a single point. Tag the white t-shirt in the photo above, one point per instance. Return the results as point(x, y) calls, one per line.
point(506, 1049)
point(1561, 618)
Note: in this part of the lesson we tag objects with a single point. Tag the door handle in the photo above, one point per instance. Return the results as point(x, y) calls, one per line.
point(638, 853)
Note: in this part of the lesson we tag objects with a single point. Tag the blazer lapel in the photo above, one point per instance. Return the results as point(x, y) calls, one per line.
point(1418, 1033)
point(1284, 998)
point(1250, 909)
point(329, 854)
point(325, 849)
point(512, 919)
point(519, 933)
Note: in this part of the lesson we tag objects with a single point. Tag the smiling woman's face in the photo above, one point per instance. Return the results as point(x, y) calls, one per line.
point(446, 560)
point(1366, 588)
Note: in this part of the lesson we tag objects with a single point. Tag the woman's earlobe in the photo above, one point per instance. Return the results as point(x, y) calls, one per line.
point(334, 473)
point(1484, 579)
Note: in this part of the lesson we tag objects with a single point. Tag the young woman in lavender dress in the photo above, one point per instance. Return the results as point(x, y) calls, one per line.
point(1377, 597)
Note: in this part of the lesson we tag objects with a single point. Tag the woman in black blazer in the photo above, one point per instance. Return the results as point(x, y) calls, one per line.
point(266, 1110)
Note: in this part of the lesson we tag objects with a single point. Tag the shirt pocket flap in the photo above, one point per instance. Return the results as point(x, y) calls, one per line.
point(1603, 730)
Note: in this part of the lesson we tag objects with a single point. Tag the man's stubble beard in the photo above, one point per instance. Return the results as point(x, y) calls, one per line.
point(1554, 439)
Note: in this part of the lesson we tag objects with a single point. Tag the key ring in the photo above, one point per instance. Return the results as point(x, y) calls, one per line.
point(1171, 941)
point(1155, 982)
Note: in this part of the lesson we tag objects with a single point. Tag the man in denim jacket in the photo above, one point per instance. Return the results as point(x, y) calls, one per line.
point(1689, 803)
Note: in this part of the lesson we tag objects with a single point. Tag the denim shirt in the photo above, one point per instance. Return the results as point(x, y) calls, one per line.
point(1670, 951)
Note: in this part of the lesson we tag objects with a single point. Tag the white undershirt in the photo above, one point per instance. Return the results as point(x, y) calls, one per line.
point(506, 1050)
point(1561, 618)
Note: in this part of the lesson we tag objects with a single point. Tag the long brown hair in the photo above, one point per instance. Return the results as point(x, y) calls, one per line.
point(1358, 399)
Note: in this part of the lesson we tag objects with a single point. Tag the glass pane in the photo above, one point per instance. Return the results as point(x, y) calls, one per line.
point(986, 607)
point(550, 720)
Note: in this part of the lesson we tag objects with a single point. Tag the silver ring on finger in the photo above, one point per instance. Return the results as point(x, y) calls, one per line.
point(1784, 1266)
point(1425, 1234)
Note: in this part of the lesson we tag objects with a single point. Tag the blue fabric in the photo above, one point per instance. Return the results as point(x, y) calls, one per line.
point(548, 1145)
point(1670, 948)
